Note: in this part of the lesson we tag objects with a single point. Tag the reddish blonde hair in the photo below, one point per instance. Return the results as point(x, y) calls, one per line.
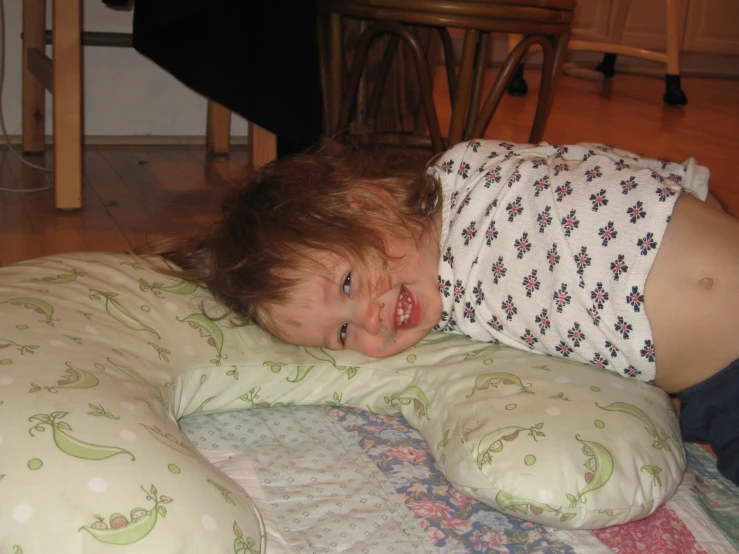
point(294, 207)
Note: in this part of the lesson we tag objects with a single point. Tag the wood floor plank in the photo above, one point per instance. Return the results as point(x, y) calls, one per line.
point(57, 231)
point(223, 171)
point(120, 196)
point(90, 228)
point(175, 173)
point(182, 175)
point(18, 238)
point(100, 230)
point(216, 170)
point(175, 211)
point(213, 174)
point(190, 163)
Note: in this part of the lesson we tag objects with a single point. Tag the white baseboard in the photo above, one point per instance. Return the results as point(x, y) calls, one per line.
point(136, 140)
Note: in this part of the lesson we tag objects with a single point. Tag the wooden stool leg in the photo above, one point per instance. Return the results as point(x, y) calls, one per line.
point(218, 129)
point(674, 94)
point(67, 63)
point(262, 146)
point(34, 105)
point(673, 39)
point(618, 25)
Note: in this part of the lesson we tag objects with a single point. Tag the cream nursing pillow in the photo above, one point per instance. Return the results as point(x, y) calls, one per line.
point(550, 441)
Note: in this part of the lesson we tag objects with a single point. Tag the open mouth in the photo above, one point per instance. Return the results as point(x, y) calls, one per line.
point(404, 308)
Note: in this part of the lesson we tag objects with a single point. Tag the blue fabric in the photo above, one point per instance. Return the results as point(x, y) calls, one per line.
point(709, 412)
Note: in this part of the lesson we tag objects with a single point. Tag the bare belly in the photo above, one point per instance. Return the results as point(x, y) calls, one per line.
point(691, 295)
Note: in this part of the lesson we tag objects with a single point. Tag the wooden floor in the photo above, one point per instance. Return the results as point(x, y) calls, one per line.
point(133, 193)
point(129, 195)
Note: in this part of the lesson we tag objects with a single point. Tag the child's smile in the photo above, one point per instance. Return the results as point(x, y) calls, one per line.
point(407, 312)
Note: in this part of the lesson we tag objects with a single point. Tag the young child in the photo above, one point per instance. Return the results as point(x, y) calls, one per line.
point(582, 251)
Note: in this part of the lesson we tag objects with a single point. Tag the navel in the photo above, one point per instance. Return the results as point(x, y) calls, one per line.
point(706, 283)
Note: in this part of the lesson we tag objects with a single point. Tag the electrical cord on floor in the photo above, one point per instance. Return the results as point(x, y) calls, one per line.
point(2, 120)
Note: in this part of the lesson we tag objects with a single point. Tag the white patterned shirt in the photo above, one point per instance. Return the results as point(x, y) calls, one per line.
point(548, 247)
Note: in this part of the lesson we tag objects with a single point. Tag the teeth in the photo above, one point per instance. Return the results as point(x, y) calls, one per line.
point(401, 316)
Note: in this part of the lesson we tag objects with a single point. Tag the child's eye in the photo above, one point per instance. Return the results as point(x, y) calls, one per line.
point(346, 286)
point(342, 334)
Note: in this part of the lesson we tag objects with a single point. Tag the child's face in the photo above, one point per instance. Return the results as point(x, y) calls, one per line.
point(373, 312)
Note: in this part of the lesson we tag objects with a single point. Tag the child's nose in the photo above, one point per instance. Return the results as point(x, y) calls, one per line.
point(373, 320)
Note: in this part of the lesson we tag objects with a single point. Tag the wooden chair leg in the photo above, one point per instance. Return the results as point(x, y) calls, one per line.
point(218, 129)
point(262, 146)
point(464, 87)
point(67, 64)
point(34, 92)
point(546, 90)
point(546, 94)
point(323, 57)
point(481, 55)
point(502, 80)
point(335, 73)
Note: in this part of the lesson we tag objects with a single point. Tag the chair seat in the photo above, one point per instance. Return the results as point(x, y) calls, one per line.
point(520, 16)
point(445, 5)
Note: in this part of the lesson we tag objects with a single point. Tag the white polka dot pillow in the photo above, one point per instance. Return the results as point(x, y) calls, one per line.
point(91, 456)
point(99, 358)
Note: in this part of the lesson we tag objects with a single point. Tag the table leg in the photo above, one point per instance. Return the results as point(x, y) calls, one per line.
point(67, 96)
point(262, 146)
point(34, 93)
point(218, 129)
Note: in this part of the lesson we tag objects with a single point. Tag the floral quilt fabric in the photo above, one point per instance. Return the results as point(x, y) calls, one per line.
point(454, 522)
point(702, 517)
point(383, 491)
